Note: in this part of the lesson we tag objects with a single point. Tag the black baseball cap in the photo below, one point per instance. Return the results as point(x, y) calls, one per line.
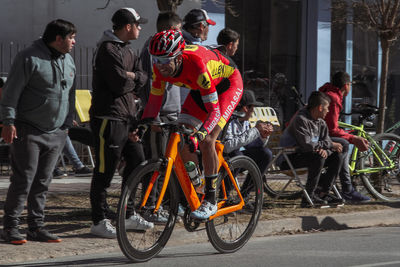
point(127, 15)
point(249, 99)
point(197, 15)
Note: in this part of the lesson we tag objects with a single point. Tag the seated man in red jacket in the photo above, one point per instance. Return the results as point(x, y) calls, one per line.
point(337, 90)
point(216, 88)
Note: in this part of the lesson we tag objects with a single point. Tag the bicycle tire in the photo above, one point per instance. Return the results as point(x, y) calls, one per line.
point(387, 187)
point(141, 246)
point(230, 232)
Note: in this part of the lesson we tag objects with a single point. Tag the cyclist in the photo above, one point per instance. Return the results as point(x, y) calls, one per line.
point(216, 89)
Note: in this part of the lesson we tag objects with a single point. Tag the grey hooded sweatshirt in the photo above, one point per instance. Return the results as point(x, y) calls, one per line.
point(40, 89)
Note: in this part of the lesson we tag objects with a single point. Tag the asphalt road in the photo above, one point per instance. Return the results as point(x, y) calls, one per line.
point(365, 247)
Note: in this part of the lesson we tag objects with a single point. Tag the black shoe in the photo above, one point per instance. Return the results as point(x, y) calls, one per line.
point(318, 203)
point(42, 235)
point(333, 200)
point(12, 236)
point(82, 172)
point(57, 173)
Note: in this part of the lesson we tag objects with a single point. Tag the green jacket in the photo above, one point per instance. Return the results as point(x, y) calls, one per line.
point(35, 93)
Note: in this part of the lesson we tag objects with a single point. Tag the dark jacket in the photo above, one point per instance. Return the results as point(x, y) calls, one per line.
point(113, 91)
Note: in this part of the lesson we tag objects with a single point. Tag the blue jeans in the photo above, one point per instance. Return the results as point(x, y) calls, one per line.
point(70, 153)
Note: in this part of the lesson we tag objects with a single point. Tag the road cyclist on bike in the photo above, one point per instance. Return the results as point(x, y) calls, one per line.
point(216, 89)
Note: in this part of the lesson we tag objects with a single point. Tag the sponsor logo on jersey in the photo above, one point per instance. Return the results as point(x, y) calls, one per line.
point(204, 81)
point(219, 70)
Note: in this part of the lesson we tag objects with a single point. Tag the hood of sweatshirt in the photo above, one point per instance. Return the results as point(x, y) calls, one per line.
point(109, 35)
point(333, 92)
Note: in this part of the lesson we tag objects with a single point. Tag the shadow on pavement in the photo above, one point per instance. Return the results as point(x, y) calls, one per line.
point(328, 223)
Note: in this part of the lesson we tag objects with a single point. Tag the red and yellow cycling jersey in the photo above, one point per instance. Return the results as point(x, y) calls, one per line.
point(203, 70)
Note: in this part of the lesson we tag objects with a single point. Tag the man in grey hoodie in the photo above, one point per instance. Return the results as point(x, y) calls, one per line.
point(36, 99)
point(309, 133)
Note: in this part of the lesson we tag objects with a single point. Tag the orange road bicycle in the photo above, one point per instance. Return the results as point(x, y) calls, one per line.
point(239, 198)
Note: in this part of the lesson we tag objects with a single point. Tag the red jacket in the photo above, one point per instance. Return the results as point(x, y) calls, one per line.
point(335, 107)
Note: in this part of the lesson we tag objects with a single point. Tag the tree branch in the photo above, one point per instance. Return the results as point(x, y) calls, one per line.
point(108, 2)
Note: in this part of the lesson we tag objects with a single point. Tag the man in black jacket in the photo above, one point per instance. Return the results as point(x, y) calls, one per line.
point(117, 75)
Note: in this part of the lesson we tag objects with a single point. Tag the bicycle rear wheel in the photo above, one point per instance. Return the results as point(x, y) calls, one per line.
point(228, 233)
point(385, 184)
point(140, 246)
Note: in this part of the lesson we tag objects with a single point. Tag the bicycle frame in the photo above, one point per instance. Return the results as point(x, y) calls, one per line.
point(377, 149)
point(174, 159)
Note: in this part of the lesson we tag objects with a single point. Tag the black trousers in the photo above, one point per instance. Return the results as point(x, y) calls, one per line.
point(315, 163)
point(34, 155)
point(111, 144)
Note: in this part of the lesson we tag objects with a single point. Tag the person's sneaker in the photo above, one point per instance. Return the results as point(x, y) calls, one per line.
point(158, 218)
point(104, 229)
point(136, 222)
point(333, 201)
point(12, 236)
point(57, 174)
point(355, 197)
point(205, 210)
point(83, 172)
point(42, 235)
point(318, 203)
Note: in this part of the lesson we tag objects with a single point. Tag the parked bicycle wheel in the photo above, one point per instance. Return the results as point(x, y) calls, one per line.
point(385, 184)
point(140, 246)
point(230, 232)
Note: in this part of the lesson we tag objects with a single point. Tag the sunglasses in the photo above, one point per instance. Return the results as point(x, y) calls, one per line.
point(162, 60)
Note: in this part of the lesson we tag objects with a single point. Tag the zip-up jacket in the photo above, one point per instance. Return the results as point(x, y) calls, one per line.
point(335, 107)
point(35, 92)
point(240, 134)
point(114, 92)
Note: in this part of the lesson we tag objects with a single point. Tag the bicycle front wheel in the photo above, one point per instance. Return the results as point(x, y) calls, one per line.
point(230, 232)
point(385, 184)
point(143, 245)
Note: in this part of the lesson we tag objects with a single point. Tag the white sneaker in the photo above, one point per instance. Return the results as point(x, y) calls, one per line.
point(104, 229)
point(205, 210)
point(136, 222)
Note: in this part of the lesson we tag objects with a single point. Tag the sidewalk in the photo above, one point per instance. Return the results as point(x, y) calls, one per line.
point(78, 241)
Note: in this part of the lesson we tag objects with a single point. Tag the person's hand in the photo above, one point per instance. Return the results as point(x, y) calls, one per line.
point(337, 147)
point(9, 133)
point(131, 75)
point(361, 143)
point(133, 136)
point(264, 128)
point(322, 152)
point(74, 123)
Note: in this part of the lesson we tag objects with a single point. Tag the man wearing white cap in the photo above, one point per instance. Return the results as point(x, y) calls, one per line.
point(195, 27)
point(117, 76)
point(195, 31)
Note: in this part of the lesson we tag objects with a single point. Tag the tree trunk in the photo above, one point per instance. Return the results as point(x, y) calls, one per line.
point(383, 85)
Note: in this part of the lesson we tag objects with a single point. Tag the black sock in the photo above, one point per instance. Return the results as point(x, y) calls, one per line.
point(211, 185)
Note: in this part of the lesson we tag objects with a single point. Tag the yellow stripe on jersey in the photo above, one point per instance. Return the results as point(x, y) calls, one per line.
point(191, 47)
point(221, 122)
point(219, 70)
point(158, 91)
